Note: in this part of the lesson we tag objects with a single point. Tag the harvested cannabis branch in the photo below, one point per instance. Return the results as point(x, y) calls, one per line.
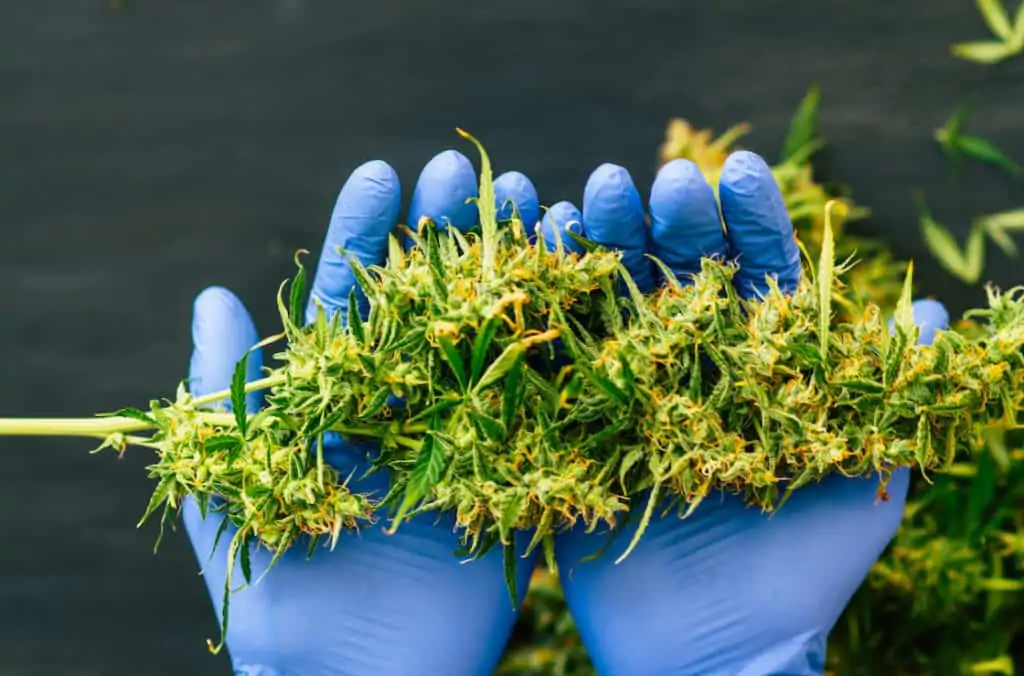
point(534, 395)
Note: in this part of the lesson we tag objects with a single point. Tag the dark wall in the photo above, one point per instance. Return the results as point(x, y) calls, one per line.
point(148, 152)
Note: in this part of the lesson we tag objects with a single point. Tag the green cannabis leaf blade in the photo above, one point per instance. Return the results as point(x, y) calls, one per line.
point(803, 126)
point(826, 267)
point(509, 566)
point(943, 245)
point(998, 225)
point(238, 394)
point(987, 52)
point(984, 150)
point(500, 366)
point(429, 467)
point(995, 17)
point(298, 292)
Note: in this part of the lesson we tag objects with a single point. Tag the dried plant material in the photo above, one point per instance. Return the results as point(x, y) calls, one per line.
point(1010, 38)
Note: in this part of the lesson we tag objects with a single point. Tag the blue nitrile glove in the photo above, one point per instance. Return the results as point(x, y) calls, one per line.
point(729, 591)
point(378, 605)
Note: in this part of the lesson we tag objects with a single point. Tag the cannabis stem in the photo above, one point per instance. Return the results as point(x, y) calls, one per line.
point(487, 209)
point(69, 427)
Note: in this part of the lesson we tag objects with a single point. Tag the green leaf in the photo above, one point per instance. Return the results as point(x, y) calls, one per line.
point(986, 52)
point(438, 274)
point(974, 258)
point(244, 552)
point(511, 573)
point(492, 429)
point(221, 442)
point(1012, 219)
point(826, 267)
point(1002, 584)
point(983, 150)
point(376, 403)
point(983, 490)
point(803, 126)
point(995, 18)
point(129, 412)
point(163, 493)
point(588, 245)
point(355, 322)
point(999, 238)
point(807, 353)
point(453, 357)
point(238, 395)
point(480, 346)
point(862, 386)
point(512, 395)
point(1017, 37)
point(943, 246)
point(628, 462)
point(298, 292)
point(500, 366)
point(362, 275)
point(487, 202)
point(904, 307)
point(609, 388)
point(429, 467)
point(949, 131)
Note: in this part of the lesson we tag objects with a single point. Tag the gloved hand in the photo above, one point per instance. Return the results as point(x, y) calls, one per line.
point(729, 591)
point(378, 605)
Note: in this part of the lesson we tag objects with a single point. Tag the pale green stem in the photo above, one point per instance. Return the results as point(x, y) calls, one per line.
point(69, 427)
point(103, 427)
point(261, 384)
point(89, 427)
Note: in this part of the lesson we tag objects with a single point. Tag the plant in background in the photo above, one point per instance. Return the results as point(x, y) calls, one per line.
point(957, 144)
point(1009, 36)
point(968, 264)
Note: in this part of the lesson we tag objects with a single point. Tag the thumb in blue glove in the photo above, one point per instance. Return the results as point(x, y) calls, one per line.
point(730, 590)
point(378, 604)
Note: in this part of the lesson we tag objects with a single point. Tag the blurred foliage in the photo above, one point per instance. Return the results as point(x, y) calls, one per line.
point(946, 598)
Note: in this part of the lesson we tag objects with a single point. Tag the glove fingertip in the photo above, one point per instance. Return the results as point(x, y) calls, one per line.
point(685, 223)
point(365, 212)
point(614, 217)
point(222, 332)
point(931, 316)
point(514, 192)
point(561, 218)
point(758, 227)
point(443, 192)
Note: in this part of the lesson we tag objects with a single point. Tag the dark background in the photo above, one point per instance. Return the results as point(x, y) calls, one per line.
point(149, 151)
